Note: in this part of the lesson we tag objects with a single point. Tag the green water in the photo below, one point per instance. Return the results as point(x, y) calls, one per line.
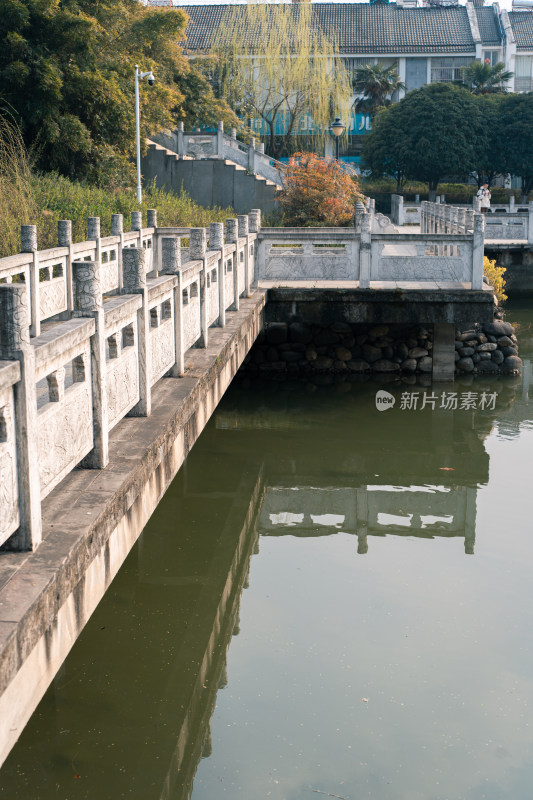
point(330, 601)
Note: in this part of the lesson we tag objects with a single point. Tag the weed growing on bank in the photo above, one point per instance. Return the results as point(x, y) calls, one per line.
point(29, 198)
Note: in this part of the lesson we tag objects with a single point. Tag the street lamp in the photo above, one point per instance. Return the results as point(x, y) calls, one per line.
point(337, 128)
point(151, 80)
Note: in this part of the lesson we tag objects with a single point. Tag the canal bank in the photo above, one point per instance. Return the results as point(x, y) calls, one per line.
point(122, 318)
point(382, 645)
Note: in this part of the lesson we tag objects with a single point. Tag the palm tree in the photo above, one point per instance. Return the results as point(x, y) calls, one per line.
point(480, 77)
point(376, 84)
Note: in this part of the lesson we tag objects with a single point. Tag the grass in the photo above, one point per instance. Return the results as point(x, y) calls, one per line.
point(29, 198)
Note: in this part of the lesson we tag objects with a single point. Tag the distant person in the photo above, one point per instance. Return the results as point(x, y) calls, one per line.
point(484, 198)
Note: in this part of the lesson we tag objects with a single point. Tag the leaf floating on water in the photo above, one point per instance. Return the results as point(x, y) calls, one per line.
point(364, 699)
point(448, 469)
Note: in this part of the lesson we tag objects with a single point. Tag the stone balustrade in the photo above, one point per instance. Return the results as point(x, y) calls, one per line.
point(507, 222)
point(449, 251)
point(87, 329)
point(205, 145)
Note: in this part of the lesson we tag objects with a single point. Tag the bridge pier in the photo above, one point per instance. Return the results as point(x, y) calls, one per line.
point(443, 351)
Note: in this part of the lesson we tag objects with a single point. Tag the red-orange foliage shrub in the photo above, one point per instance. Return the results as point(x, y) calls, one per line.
point(318, 192)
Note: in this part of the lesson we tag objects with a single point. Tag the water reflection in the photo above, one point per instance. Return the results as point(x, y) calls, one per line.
point(320, 477)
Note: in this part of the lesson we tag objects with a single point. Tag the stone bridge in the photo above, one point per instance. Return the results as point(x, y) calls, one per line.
point(115, 351)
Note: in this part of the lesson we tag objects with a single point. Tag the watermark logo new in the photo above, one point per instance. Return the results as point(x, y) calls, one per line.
point(384, 400)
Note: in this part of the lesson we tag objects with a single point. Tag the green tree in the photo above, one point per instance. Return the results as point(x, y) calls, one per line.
point(480, 77)
point(385, 149)
point(513, 152)
point(67, 79)
point(486, 167)
point(277, 66)
point(200, 105)
point(432, 133)
point(376, 84)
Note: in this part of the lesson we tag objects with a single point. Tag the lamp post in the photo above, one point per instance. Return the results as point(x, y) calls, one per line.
point(337, 128)
point(151, 80)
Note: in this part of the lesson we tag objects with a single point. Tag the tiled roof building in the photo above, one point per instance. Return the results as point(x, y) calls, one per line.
point(428, 44)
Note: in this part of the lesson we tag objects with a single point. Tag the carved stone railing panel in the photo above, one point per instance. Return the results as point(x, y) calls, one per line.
point(162, 337)
point(52, 297)
point(236, 152)
point(9, 496)
point(212, 294)
point(241, 266)
point(426, 260)
point(192, 328)
point(310, 260)
point(122, 383)
point(201, 146)
point(510, 226)
point(65, 427)
point(228, 278)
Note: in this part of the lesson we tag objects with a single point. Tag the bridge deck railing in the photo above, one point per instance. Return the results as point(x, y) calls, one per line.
point(343, 254)
point(511, 221)
point(126, 309)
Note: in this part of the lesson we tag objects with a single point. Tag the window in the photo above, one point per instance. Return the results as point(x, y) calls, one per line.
point(446, 70)
point(493, 57)
point(523, 74)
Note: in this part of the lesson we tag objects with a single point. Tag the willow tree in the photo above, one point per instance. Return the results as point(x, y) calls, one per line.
point(278, 65)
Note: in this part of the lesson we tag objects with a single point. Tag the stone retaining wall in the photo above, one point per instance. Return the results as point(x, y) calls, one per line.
point(490, 348)
point(297, 348)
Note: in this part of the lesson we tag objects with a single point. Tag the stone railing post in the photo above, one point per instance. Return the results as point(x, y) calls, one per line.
point(216, 242)
point(365, 251)
point(478, 251)
point(220, 140)
point(233, 133)
point(88, 303)
point(461, 219)
point(254, 224)
point(15, 346)
point(261, 148)
point(93, 235)
point(171, 265)
point(134, 282)
point(243, 233)
point(512, 204)
point(251, 155)
point(137, 225)
point(151, 222)
point(476, 203)
point(117, 229)
point(28, 244)
point(181, 141)
point(197, 252)
point(233, 238)
point(64, 239)
point(359, 214)
point(530, 224)
point(255, 220)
